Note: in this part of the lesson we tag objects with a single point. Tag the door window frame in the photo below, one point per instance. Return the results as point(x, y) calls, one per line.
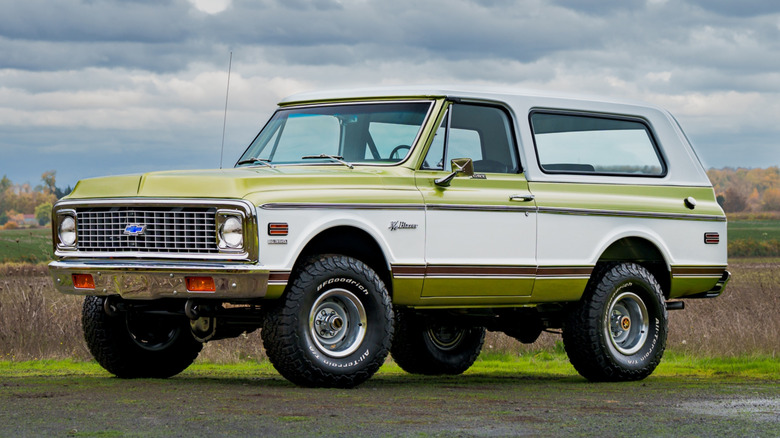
point(509, 125)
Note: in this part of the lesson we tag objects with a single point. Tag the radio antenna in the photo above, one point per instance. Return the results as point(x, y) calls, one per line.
point(224, 119)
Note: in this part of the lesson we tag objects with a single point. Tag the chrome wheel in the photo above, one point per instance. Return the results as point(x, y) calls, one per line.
point(627, 323)
point(337, 323)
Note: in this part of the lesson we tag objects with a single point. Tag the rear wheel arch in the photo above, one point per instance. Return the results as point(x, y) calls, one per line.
point(643, 252)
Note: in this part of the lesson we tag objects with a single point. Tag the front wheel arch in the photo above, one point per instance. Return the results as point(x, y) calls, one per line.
point(352, 242)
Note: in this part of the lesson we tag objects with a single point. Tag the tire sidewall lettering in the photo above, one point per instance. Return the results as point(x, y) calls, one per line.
point(343, 281)
point(651, 349)
point(340, 364)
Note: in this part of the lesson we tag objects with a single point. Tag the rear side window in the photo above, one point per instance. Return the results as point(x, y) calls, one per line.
point(573, 143)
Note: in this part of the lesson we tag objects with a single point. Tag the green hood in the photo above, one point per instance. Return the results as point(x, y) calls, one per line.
point(242, 182)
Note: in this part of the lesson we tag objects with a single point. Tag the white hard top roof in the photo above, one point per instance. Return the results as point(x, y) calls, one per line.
point(684, 166)
point(470, 92)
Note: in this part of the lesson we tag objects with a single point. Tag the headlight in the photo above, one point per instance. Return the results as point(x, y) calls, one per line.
point(67, 231)
point(231, 232)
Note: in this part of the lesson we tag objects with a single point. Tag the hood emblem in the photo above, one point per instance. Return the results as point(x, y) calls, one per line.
point(135, 230)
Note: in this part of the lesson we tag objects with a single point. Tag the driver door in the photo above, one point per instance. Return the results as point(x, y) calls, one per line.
point(480, 229)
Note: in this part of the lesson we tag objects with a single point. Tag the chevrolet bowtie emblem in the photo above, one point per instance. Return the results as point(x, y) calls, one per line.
point(135, 230)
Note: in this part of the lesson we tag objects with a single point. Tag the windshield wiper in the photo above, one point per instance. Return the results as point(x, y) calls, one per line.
point(338, 158)
point(253, 160)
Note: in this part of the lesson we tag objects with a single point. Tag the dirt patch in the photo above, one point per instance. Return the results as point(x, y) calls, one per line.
point(758, 409)
point(397, 405)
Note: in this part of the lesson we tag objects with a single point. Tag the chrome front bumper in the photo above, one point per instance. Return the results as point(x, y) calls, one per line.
point(152, 280)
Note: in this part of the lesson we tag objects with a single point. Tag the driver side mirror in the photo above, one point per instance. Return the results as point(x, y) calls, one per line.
point(460, 167)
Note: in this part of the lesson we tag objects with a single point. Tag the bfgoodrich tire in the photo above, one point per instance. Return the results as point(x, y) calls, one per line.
point(618, 330)
point(131, 345)
point(333, 326)
point(425, 347)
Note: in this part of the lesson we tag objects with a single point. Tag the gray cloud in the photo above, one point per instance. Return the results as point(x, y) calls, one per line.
point(601, 7)
point(90, 78)
point(741, 8)
point(75, 20)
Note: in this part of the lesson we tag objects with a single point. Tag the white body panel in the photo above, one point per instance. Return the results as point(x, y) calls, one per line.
point(401, 246)
point(480, 238)
point(578, 240)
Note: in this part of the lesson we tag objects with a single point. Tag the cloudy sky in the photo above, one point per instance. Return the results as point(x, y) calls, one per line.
point(99, 87)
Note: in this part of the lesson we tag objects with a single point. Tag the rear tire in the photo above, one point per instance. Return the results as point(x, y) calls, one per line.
point(617, 332)
point(422, 347)
point(133, 345)
point(334, 325)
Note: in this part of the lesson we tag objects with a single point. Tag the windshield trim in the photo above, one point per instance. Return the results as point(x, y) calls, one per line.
point(431, 104)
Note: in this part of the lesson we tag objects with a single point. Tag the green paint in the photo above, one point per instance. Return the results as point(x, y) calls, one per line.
point(558, 289)
point(626, 198)
point(682, 286)
point(466, 287)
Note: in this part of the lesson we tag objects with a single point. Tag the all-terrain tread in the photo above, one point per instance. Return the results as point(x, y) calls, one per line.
point(412, 354)
point(283, 325)
point(109, 341)
point(583, 337)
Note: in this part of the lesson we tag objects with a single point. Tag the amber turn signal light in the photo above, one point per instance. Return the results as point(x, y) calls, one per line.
point(83, 281)
point(200, 284)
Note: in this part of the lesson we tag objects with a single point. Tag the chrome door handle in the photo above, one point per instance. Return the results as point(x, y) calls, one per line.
point(521, 198)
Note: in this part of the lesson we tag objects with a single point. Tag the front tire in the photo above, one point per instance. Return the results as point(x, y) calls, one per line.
point(135, 345)
point(617, 332)
point(424, 347)
point(334, 325)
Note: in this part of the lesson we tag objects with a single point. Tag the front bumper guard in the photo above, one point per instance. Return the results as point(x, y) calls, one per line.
point(153, 280)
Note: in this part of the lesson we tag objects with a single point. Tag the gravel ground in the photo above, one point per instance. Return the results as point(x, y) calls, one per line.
point(395, 405)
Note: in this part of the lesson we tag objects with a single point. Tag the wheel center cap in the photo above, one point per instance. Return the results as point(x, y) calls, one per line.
point(334, 322)
point(625, 323)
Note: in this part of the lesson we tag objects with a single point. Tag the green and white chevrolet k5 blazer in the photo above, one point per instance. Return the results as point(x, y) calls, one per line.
point(405, 221)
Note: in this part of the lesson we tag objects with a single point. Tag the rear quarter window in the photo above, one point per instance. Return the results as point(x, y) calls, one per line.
point(588, 144)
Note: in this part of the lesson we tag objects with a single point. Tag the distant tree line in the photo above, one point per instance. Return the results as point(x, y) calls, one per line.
point(22, 205)
point(747, 190)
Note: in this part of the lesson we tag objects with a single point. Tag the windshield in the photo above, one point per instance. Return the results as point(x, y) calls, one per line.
point(375, 133)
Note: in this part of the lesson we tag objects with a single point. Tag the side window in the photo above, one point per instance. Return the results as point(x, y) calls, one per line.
point(568, 143)
point(482, 133)
point(464, 143)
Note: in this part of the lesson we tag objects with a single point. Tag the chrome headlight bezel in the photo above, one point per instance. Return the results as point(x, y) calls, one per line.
point(67, 230)
point(231, 230)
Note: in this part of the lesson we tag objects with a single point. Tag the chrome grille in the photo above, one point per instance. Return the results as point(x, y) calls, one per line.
point(189, 230)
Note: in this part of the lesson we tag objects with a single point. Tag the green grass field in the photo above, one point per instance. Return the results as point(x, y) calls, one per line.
point(25, 245)
point(542, 363)
point(756, 230)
